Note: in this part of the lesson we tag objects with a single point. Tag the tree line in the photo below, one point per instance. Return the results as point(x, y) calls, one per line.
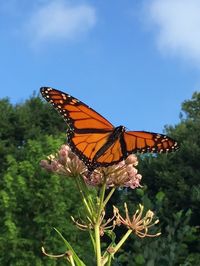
point(32, 201)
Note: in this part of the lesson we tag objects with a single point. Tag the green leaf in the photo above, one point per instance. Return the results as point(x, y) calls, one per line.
point(76, 258)
point(139, 259)
point(160, 196)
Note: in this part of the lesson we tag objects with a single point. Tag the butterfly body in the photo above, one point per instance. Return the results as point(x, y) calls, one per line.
point(95, 140)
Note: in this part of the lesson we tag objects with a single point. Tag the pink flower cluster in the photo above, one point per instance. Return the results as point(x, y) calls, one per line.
point(65, 162)
point(123, 174)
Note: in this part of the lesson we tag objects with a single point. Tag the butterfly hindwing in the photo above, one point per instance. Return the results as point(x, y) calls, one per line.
point(142, 141)
point(87, 145)
point(112, 155)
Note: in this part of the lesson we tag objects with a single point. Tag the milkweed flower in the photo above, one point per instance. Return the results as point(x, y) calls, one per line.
point(138, 224)
point(123, 174)
point(65, 162)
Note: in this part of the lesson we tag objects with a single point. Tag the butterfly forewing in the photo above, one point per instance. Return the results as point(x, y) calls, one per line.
point(78, 115)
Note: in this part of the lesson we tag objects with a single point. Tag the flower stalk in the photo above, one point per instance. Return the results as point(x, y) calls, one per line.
point(124, 174)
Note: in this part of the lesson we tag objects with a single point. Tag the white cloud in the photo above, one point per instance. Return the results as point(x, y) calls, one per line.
point(58, 20)
point(178, 26)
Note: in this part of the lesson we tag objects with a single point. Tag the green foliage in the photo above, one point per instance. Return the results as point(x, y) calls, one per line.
point(19, 123)
point(172, 190)
point(32, 202)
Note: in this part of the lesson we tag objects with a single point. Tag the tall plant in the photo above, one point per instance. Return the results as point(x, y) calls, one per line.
point(124, 174)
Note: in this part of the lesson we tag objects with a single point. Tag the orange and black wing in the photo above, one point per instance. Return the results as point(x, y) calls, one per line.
point(136, 142)
point(112, 155)
point(90, 135)
point(142, 142)
point(87, 130)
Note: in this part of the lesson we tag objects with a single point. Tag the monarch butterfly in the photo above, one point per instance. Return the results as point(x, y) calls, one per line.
point(95, 140)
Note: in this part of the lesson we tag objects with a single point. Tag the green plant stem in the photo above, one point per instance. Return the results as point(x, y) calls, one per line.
point(87, 194)
point(108, 197)
point(101, 201)
point(107, 255)
point(121, 242)
point(100, 208)
point(109, 261)
point(98, 244)
point(84, 199)
point(71, 261)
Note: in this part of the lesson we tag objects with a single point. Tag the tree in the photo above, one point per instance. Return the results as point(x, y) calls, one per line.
point(31, 201)
point(172, 188)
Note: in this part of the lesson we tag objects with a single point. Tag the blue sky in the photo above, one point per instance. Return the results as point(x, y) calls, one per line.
point(134, 62)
